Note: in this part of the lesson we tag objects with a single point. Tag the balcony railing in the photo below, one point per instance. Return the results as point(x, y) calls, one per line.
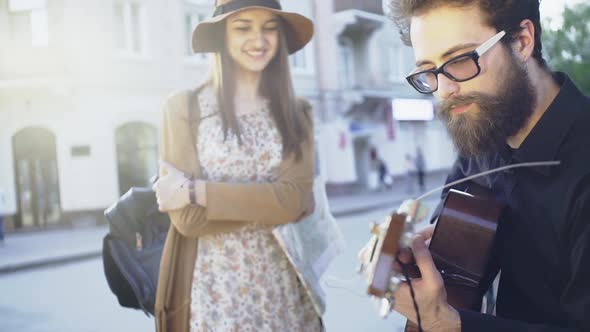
point(371, 6)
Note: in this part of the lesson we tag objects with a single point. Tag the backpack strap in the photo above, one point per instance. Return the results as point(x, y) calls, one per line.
point(194, 113)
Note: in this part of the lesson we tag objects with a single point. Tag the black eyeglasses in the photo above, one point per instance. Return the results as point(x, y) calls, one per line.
point(459, 69)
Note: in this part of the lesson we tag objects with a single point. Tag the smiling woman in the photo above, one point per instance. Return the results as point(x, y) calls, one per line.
point(247, 144)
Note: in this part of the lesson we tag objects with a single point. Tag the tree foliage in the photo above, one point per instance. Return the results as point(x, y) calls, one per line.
point(567, 48)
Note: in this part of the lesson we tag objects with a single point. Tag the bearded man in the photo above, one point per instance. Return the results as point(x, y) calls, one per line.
point(502, 105)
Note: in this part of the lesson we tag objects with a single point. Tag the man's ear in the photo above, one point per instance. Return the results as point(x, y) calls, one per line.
point(524, 44)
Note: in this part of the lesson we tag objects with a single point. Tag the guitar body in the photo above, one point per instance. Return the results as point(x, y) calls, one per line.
point(462, 244)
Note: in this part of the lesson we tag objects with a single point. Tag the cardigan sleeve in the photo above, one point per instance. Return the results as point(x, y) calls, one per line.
point(279, 202)
point(175, 139)
point(231, 205)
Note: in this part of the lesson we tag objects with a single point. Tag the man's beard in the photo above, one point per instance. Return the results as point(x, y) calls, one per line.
point(497, 117)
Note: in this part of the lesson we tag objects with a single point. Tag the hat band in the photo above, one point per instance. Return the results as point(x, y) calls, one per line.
point(239, 4)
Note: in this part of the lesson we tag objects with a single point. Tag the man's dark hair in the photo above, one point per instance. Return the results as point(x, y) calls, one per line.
point(501, 14)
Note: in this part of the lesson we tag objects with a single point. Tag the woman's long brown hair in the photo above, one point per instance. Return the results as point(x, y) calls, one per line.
point(276, 86)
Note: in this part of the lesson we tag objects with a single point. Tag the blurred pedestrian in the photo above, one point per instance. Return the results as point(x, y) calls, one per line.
point(384, 176)
point(410, 173)
point(2, 212)
point(420, 168)
point(373, 182)
point(251, 170)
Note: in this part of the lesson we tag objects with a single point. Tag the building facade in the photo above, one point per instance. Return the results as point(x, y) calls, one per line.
point(81, 89)
point(82, 84)
point(369, 110)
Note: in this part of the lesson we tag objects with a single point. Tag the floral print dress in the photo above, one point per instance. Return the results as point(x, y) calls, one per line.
point(242, 280)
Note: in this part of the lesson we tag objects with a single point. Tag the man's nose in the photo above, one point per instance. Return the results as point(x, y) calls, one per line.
point(446, 87)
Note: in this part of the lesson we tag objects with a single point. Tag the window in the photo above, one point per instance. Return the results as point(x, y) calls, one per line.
point(26, 5)
point(396, 64)
point(302, 60)
point(129, 32)
point(191, 19)
point(137, 155)
point(298, 60)
point(39, 28)
point(347, 68)
point(195, 11)
point(36, 10)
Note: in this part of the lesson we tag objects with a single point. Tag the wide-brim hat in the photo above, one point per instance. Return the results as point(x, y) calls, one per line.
point(206, 36)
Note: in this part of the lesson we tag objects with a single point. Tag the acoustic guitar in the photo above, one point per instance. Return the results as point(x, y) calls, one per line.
point(461, 247)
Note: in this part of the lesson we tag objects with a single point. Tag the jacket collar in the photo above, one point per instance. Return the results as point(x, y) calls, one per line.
point(545, 139)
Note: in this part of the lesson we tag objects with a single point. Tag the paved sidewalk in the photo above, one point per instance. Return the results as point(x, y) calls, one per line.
point(24, 251)
point(364, 201)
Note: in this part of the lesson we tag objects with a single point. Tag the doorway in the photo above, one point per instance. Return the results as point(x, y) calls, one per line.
point(362, 157)
point(37, 182)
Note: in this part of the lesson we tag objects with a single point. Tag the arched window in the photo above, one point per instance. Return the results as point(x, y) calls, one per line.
point(137, 155)
point(37, 182)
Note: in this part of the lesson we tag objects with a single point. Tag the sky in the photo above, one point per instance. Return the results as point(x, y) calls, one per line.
point(553, 9)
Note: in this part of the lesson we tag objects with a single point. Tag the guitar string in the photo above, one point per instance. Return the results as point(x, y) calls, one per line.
point(331, 281)
point(494, 170)
point(328, 279)
point(499, 169)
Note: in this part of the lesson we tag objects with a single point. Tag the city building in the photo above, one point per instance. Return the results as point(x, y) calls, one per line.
point(82, 84)
point(369, 110)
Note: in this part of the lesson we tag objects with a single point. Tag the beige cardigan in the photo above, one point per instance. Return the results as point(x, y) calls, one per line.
point(229, 206)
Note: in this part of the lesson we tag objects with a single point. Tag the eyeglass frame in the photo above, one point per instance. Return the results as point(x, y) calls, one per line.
point(474, 55)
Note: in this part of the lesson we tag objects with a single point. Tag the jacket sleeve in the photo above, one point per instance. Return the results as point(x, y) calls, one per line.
point(476, 322)
point(234, 204)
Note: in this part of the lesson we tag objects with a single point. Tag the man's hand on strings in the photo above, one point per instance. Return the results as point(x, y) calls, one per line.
point(435, 313)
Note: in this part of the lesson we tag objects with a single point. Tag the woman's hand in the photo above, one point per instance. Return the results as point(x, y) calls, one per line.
point(171, 188)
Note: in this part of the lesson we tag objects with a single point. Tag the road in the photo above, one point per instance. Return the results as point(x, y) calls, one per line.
point(348, 308)
point(70, 298)
point(76, 297)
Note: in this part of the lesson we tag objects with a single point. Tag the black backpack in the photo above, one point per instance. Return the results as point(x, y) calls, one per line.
point(132, 249)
